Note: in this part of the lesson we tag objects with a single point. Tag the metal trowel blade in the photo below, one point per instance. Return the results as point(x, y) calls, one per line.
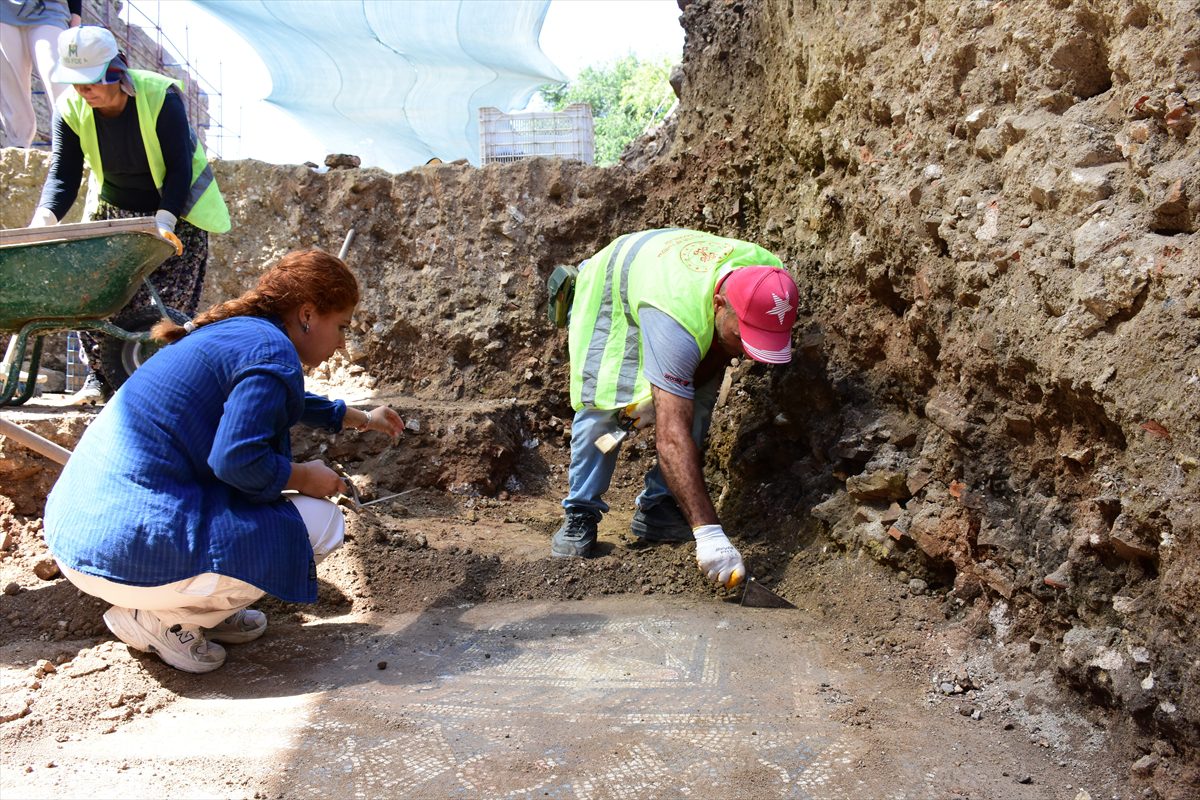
point(755, 595)
point(393, 496)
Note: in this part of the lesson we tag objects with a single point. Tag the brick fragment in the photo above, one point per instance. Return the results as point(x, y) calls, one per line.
point(1060, 578)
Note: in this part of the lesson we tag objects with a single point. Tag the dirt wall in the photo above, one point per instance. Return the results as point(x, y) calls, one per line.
point(991, 209)
point(450, 258)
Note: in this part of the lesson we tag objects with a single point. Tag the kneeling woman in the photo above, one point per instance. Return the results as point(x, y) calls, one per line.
point(177, 504)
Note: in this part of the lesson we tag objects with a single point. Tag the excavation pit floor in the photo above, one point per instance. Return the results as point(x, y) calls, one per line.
point(619, 697)
point(448, 655)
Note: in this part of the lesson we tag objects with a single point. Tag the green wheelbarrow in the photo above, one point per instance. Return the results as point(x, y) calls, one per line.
point(75, 277)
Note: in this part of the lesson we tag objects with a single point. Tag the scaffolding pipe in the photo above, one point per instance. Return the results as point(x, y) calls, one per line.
point(31, 440)
point(349, 240)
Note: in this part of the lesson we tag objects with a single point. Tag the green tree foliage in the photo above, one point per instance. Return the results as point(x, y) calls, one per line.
point(627, 97)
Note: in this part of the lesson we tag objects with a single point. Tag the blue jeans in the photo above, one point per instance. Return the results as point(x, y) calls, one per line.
point(591, 471)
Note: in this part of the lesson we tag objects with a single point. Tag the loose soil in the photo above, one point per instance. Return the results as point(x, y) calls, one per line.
point(66, 679)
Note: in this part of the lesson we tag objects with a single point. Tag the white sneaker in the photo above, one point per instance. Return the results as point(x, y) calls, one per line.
point(182, 646)
point(91, 394)
point(244, 626)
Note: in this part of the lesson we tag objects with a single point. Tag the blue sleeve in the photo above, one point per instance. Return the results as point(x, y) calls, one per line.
point(175, 139)
point(321, 412)
point(66, 169)
point(243, 453)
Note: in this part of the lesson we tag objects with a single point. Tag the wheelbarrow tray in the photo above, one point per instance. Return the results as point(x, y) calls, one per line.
point(68, 277)
point(77, 272)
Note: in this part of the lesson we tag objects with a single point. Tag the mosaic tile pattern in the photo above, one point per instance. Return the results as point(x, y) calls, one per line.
point(578, 707)
point(612, 698)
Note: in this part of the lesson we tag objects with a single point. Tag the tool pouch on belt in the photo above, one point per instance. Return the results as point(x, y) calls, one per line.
point(561, 288)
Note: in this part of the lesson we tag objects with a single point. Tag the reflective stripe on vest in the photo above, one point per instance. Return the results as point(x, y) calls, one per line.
point(201, 182)
point(672, 269)
point(631, 364)
point(602, 328)
point(613, 326)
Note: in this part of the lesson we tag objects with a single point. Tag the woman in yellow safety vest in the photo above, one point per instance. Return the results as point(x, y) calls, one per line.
point(145, 160)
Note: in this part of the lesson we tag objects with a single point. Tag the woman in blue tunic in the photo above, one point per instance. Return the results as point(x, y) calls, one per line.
point(181, 505)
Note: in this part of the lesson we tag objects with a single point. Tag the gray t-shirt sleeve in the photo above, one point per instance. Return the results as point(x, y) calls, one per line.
point(670, 355)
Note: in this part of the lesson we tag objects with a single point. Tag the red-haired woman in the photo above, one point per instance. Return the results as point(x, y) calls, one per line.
point(173, 505)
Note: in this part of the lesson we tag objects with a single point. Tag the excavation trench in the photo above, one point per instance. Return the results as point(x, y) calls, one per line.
point(978, 478)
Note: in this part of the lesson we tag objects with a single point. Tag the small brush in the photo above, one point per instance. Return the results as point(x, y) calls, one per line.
point(608, 441)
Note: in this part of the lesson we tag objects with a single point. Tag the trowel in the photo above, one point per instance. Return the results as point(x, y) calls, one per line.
point(755, 595)
point(353, 500)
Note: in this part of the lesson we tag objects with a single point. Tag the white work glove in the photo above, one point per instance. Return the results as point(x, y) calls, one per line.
point(719, 560)
point(641, 413)
point(43, 218)
point(166, 229)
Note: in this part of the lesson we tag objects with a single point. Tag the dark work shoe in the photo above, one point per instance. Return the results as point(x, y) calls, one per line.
point(576, 536)
point(662, 522)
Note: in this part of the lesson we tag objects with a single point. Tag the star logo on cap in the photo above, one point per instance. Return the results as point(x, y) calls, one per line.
point(781, 307)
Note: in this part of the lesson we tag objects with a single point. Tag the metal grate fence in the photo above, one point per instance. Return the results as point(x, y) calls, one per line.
point(569, 134)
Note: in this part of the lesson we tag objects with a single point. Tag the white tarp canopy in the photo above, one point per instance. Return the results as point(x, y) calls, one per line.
point(396, 82)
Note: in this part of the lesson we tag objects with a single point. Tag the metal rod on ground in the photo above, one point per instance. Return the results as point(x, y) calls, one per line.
point(31, 440)
point(346, 244)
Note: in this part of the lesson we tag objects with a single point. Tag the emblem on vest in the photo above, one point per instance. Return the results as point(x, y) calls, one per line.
point(703, 255)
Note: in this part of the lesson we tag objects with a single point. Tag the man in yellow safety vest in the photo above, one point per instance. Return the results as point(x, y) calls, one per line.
point(656, 317)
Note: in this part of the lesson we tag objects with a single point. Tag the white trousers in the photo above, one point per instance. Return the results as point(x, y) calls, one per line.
point(21, 48)
point(208, 598)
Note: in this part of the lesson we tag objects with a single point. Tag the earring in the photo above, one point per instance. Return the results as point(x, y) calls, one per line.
point(304, 327)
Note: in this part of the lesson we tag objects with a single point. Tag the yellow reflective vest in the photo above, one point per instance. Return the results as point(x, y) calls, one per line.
point(204, 207)
point(673, 269)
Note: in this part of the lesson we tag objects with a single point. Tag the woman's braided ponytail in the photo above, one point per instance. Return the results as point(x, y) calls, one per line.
point(302, 276)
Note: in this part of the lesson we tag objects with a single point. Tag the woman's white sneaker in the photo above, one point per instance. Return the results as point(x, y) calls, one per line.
point(182, 646)
point(244, 626)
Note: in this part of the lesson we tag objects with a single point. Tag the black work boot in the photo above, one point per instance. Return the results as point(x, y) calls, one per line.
point(662, 522)
point(577, 534)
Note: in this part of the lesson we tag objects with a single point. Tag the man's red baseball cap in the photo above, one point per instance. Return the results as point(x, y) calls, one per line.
point(765, 301)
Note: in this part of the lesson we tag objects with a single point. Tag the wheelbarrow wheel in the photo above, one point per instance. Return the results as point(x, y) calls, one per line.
point(120, 358)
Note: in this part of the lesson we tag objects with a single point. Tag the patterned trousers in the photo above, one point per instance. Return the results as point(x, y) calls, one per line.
point(179, 280)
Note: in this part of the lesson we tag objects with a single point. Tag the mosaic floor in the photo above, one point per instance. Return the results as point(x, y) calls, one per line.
point(574, 705)
point(620, 698)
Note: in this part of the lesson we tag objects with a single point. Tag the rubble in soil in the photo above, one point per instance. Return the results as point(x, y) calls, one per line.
point(990, 209)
